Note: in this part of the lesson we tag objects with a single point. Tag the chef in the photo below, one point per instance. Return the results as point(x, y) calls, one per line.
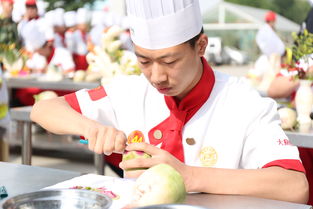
point(70, 24)
point(36, 43)
point(59, 28)
point(31, 14)
point(80, 37)
point(214, 129)
point(43, 57)
point(267, 39)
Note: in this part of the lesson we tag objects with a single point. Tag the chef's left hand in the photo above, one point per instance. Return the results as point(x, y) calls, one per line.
point(157, 156)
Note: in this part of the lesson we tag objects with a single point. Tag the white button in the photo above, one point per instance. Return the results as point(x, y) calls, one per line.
point(157, 134)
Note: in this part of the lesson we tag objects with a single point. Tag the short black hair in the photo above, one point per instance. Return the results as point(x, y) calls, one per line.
point(31, 6)
point(193, 41)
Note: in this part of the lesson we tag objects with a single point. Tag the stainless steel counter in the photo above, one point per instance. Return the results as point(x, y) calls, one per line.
point(301, 139)
point(20, 179)
point(239, 202)
point(22, 116)
point(65, 84)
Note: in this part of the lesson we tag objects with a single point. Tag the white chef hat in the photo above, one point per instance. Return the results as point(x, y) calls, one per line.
point(58, 19)
point(45, 27)
point(41, 6)
point(33, 37)
point(70, 18)
point(83, 16)
point(97, 18)
point(49, 17)
point(157, 24)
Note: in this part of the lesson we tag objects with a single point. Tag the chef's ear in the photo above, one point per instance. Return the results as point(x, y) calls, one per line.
point(201, 44)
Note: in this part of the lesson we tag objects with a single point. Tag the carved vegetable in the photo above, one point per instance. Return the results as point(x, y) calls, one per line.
point(160, 184)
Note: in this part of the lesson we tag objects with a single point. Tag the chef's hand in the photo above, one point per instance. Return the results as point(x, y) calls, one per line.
point(157, 156)
point(104, 139)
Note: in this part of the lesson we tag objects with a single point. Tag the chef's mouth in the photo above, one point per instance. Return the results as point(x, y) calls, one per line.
point(164, 90)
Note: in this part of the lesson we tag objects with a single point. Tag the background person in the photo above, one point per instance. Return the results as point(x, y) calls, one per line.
point(44, 57)
point(272, 49)
point(267, 39)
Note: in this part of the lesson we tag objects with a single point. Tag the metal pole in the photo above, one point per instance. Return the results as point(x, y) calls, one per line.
point(99, 163)
point(27, 143)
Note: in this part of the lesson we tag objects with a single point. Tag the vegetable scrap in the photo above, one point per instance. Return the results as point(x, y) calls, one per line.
point(101, 190)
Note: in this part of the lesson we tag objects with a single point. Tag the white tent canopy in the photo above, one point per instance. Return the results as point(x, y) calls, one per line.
point(220, 15)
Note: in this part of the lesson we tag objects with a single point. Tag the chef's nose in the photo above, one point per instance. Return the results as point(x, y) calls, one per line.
point(158, 74)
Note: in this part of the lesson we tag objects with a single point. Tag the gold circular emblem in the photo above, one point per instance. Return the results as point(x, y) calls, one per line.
point(157, 134)
point(208, 156)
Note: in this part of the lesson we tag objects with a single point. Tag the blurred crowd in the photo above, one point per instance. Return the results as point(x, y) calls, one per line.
point(82, 45)
point(57, 37)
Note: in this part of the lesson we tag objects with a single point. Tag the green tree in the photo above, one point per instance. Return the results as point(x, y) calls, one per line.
point(68, 4)
point(252, 3)
point(295, 10)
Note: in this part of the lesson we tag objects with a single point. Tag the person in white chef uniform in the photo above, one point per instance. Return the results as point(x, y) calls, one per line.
point(81, 36)
point(70, 24)
point(272, 48)
point(51, 62)
point(214, 129)
point(59, 28)
point(44, 54)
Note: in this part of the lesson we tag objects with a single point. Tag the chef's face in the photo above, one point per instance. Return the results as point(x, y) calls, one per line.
point(7, 8)
point(173, 71)
point(45, 50)
point(31, 12)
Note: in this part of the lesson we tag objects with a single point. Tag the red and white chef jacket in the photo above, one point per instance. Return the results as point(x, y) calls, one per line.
point(59, 40)
point(59, 56)
point(80, 50)
point(234, 128)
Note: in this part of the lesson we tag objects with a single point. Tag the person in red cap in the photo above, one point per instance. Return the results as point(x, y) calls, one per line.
point(31, 10)
point(267, 39)
point(31, 13)
point(272, 49)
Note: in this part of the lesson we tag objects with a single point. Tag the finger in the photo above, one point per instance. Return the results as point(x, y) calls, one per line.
point(138, 163)
point(133, 173)
point(109, 141)
point(100, 141)
point(92, 138)
point(147, 148)
point(120, 142)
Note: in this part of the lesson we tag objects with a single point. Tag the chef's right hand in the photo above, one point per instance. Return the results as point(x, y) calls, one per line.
point(104, 139)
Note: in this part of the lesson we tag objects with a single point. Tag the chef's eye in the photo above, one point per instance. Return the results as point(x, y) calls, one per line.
point(144, 62)
point(170, 62)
